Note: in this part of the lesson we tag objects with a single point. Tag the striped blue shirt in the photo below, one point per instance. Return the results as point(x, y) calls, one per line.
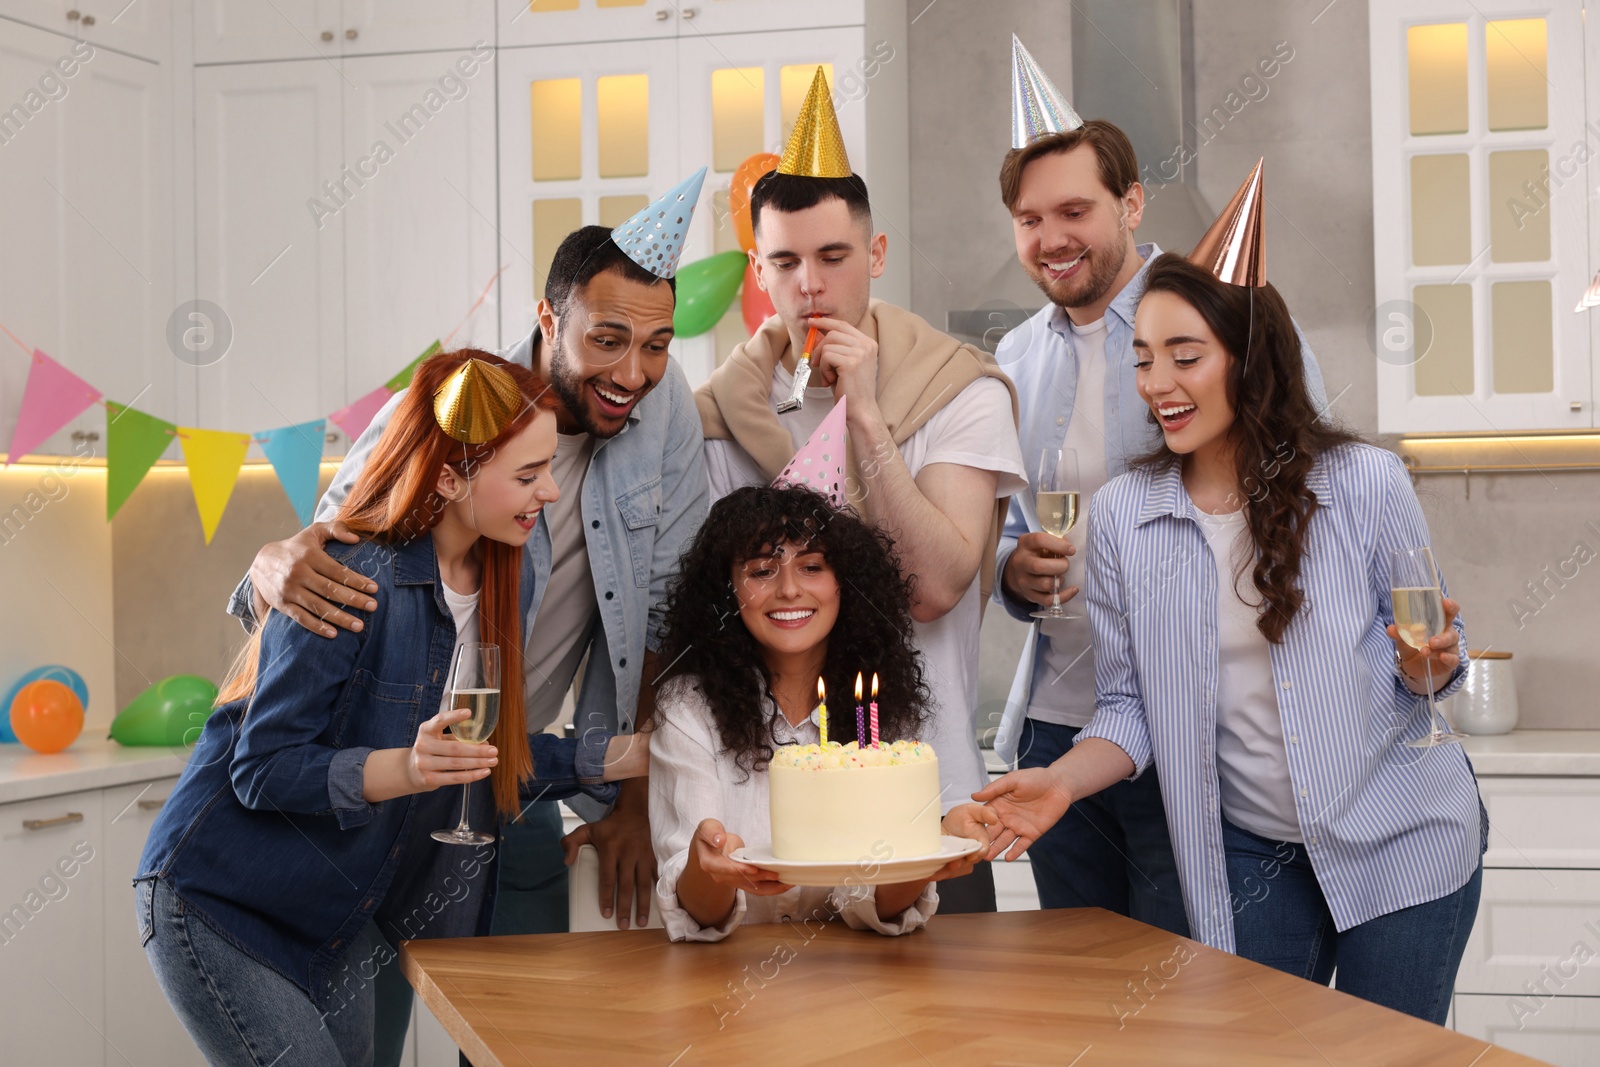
point(1386, 826)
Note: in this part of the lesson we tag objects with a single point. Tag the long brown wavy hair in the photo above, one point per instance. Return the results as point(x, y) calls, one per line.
point(395, 501)
point(1277, 430)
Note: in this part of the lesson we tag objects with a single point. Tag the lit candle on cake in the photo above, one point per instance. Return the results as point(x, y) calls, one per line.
point(822, 713)
point(874, 709)
point(861, 716)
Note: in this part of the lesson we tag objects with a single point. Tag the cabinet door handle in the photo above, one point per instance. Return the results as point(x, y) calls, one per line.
point(688, 12)
point(74, 15)
point(327, 35)
point(661, 16)
point(45, 824)
point(350, 34)
point(88, 20)
point(152, 805)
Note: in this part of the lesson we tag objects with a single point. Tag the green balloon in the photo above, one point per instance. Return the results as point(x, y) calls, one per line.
point(169, 713)
point(706, 289)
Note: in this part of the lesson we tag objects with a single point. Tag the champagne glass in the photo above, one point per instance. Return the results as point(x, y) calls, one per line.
point(1056, 501)
point(1418, 616)
point(475, 685)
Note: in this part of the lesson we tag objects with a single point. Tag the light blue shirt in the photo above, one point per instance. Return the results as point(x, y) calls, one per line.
point(1039, 358)
point(643, 499)
point(1386, 826)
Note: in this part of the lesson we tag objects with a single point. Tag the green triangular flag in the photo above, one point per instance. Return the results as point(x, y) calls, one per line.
point(134, 441)
point(403, 379)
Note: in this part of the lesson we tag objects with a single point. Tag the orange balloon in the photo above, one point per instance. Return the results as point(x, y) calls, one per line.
point(744, 179)
point(46, 716)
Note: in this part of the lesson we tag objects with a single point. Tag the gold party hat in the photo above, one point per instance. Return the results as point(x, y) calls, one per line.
point(816, 147)
point(1232, 249)
point(477, 402)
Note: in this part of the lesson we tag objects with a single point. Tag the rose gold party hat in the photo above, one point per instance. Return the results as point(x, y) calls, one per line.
point(1231, 249)
point(816, 147)
point(1591, 296)
point(819, 464)
point(477, 402)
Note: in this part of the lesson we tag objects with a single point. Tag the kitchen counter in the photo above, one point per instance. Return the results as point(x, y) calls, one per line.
point(92, 762)
point(1572, 753)
point(1557, 753)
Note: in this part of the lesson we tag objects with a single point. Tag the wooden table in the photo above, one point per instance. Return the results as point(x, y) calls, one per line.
point(1072, 986)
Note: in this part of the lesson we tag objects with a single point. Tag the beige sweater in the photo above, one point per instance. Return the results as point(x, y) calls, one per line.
point(920, 369)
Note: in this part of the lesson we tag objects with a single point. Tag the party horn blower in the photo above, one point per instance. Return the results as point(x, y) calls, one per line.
point(802, 375)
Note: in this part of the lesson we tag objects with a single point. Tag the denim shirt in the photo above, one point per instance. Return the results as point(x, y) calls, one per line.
point(267, 834)
point(644, 498)
point(1038, 356)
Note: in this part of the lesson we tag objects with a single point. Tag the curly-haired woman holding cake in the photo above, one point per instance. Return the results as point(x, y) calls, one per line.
point(777, 591)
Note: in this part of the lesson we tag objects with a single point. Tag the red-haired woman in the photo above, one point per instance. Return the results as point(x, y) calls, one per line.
point(302, 823)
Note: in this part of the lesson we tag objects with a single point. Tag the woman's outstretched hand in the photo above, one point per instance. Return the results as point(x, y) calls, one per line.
point(975, 822)
point(1027, 803)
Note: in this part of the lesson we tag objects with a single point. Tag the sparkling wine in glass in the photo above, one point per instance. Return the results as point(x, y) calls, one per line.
point(1056, 501)
point(1419, 616)
point(475, 685)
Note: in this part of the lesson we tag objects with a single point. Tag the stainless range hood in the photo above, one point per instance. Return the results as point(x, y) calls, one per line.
point(1132, 64)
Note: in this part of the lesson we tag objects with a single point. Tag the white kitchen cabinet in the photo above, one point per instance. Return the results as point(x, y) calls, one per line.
point(1481, 161)
point(1522, 832)
point(1535, 928)
point(232, 31)
point(140, 1026)
point(52, 923)
point(588, 134)
point(237, 30)
point(268, 148)
point(1564, 1031)
point(419, 229)
point(86, 219)
point(141, 28)
point(541, 22)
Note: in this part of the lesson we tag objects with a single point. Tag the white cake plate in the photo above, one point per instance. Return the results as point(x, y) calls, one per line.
point(866, 871)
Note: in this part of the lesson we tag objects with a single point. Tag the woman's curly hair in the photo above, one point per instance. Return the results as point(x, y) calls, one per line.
point(706, 642)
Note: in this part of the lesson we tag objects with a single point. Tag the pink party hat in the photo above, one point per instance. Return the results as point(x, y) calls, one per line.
point(819, 465)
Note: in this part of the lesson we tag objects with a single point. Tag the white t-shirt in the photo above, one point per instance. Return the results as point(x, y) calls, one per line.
point(973, 430)
point(464, 609)
point(1063, 671)
point(560, 633)
point(1252, 762)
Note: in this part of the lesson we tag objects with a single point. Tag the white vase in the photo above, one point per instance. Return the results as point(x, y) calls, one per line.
point(1487, 702)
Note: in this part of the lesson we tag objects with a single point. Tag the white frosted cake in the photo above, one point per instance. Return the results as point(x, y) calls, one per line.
point(843, 803)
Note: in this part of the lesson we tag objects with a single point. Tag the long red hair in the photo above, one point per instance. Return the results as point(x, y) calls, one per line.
point(395, 501)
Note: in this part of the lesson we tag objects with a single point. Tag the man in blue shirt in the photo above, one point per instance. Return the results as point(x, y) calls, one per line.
point(1075, 202)
point(630, 467)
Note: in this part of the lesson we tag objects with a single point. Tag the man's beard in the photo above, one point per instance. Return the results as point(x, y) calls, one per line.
point(568, 386)
point(1102, 275)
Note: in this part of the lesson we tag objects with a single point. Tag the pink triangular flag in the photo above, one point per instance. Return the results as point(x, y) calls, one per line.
point(819, 464)
point(354, 416)
point(53, 397)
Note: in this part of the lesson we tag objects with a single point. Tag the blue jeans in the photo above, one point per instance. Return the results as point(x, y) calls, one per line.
point(241, 1012)
point(532, 898)
point(1110, 850)
point(1405, 960)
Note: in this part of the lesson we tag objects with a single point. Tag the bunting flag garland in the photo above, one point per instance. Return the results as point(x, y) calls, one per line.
point(53, 397)
point(403, 379)
point(214, 458)
point(134, 441)
point(356, 416)
point(296, 455)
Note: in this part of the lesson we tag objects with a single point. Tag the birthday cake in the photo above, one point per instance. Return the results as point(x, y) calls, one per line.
point(842, 803)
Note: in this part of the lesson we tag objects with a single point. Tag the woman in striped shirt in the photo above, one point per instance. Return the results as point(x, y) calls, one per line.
point(1239, 591)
